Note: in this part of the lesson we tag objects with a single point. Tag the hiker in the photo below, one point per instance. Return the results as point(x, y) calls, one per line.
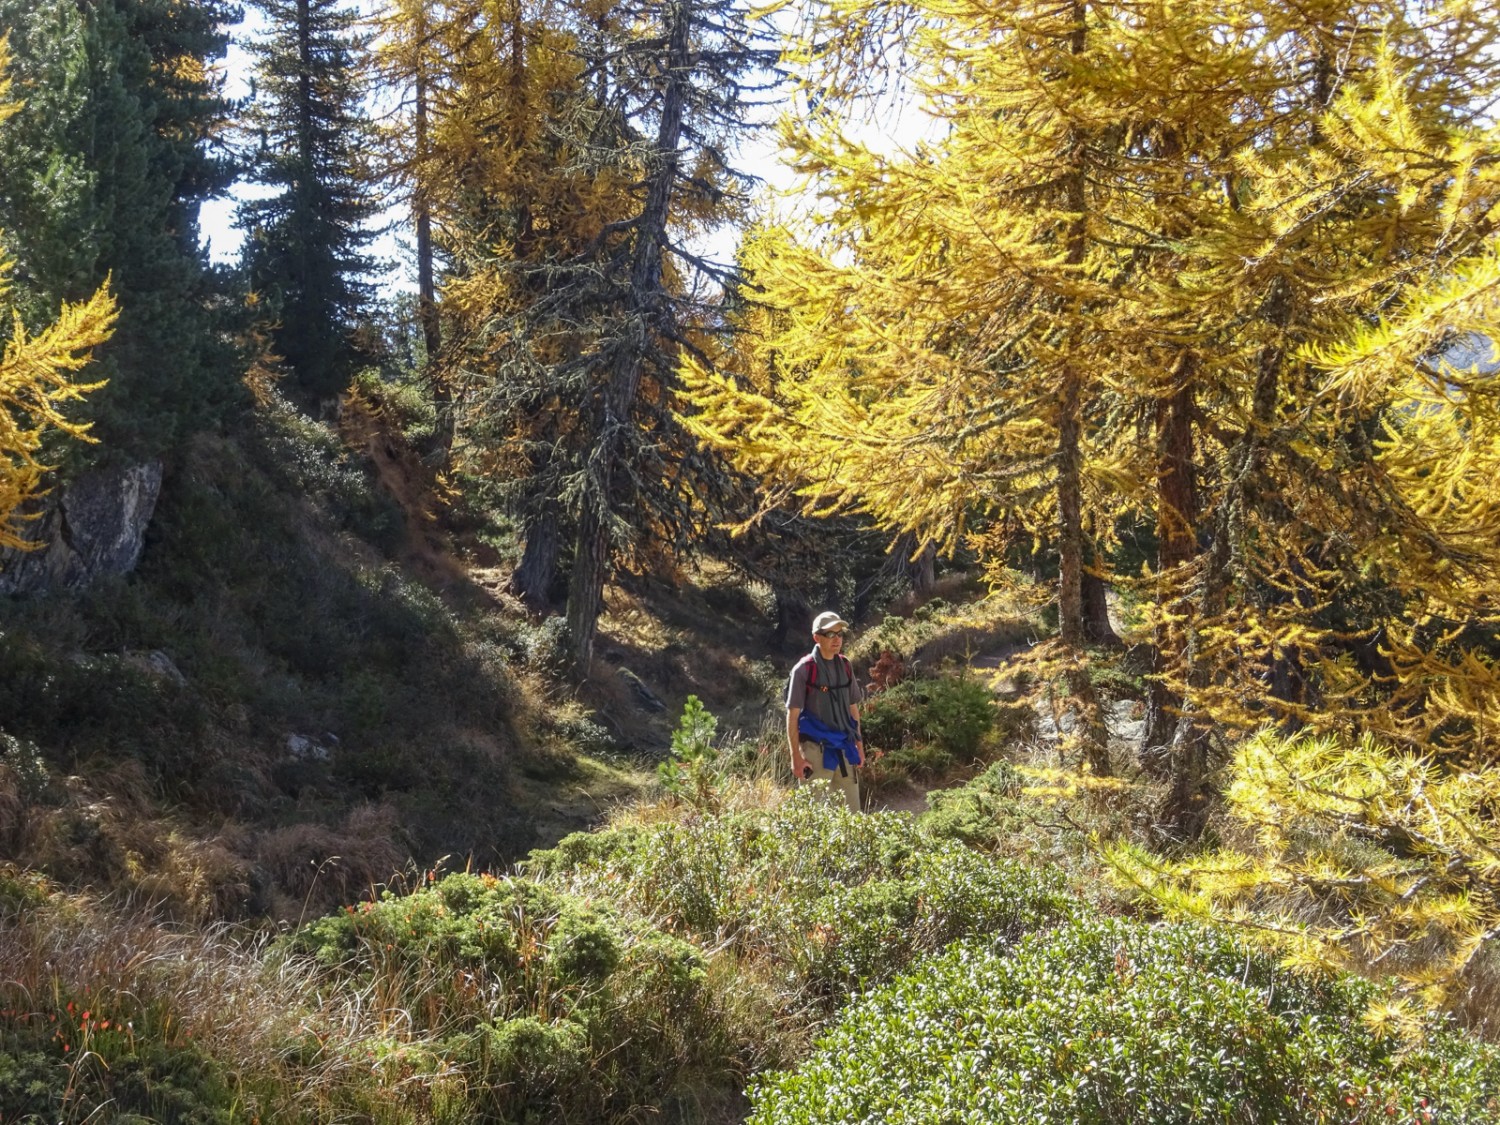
point(822, 713)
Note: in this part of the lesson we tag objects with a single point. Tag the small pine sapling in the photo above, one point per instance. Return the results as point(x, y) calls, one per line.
point(689, 774)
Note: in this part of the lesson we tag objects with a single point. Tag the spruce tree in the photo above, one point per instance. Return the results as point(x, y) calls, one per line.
point(106, 166)
point(306, 241)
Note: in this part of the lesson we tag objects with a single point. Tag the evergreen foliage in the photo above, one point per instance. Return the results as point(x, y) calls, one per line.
point(930, 726)
point(687, 773)
point(106, 166)
point(311, 148)
point(839, 901)
point(547, 1008)
point(1105, 1022)
point(37, 373)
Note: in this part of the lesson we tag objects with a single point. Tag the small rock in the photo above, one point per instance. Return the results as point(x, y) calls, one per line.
point(164, 666)
point(305, 749)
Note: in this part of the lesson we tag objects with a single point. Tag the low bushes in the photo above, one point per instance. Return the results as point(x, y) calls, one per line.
point(984, 813)
point(1109, 1022)
point(532, 1005)
point(66, 1076)
point(839, 902)
point(110, 1016)
point(650, 968)
point(929, 727)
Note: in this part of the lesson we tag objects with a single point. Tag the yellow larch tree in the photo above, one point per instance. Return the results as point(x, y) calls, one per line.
point(516, 181)
point(37, 376)
point(1138, 231)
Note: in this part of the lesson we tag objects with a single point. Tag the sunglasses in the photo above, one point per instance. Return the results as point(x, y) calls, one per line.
point(836, 633)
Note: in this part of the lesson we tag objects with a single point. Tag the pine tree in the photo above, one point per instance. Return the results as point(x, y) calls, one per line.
point(106, 166)
point(515, 178)
point(306, 240)
point(36, 374)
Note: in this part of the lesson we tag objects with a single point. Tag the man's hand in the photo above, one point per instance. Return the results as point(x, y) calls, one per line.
point(800, 768)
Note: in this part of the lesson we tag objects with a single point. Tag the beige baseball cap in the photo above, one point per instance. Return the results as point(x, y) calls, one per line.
point(827, 621)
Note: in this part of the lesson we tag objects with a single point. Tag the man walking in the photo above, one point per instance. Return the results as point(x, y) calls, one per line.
point(822, 713)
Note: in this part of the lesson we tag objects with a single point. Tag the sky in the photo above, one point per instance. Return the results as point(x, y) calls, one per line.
point(216, 217)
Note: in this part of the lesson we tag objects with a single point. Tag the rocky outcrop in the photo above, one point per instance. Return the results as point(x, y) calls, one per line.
point(92, 528)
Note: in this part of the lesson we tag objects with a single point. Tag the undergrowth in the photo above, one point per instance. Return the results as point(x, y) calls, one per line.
point(242, 696)
point(1104, 1022)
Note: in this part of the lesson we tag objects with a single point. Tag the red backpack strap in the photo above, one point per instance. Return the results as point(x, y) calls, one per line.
point(811, 660)
point(812, 676)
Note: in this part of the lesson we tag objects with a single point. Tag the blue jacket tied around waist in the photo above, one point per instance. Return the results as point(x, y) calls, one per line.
point(832, 739)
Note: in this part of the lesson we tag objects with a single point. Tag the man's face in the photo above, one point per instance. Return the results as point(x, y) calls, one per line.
point(830, 642)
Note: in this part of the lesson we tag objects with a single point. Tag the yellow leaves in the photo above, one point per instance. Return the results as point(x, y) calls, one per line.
point(35, 386)
point(1065, 784)
point(35, 370)
point(8, 108)
point(1376, 366)
point(1406, 863)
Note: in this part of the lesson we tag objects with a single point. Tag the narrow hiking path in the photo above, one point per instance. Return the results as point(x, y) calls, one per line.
point(1124, 719)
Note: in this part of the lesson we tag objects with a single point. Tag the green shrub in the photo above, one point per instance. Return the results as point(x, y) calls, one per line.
point(689, 774)
point(21, 763)
point(904, 635)
point(929, 726)
point(72, 707)
point(840, 900)
point(981, 813)
point(1108, 1022)
point(850, 938)
point(62, 1058)
point(549, 1008)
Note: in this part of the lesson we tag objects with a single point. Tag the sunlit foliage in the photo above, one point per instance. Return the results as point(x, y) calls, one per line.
point(38, 375)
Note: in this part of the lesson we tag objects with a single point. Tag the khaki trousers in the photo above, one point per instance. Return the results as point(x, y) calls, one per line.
point(838, 788)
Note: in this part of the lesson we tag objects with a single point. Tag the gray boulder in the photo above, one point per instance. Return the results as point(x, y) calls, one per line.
point(92, 528)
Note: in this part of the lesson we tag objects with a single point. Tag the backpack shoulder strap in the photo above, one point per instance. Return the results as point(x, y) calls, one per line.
point(812, 675)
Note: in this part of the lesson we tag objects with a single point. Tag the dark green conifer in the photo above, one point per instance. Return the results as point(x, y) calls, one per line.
point(306, 244)
point(105, 169)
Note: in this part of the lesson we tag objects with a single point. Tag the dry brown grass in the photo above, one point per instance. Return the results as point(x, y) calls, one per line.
point(1477, 1004)
point(207, 986)
point(17, 826)
point(314, 868)
point(106, 829)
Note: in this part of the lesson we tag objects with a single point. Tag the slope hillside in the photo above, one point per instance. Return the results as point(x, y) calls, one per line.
point(307, 685)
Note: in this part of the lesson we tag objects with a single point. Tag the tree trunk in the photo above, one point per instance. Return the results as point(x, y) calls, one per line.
point(1093, 735)
point(920, 572)
point(586, 590)
point(1177, 518)
point(1185, 811)
point(427, 309)
point(533, 578)
point(1096, 627)
point(592, 560)
point(793, 616)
